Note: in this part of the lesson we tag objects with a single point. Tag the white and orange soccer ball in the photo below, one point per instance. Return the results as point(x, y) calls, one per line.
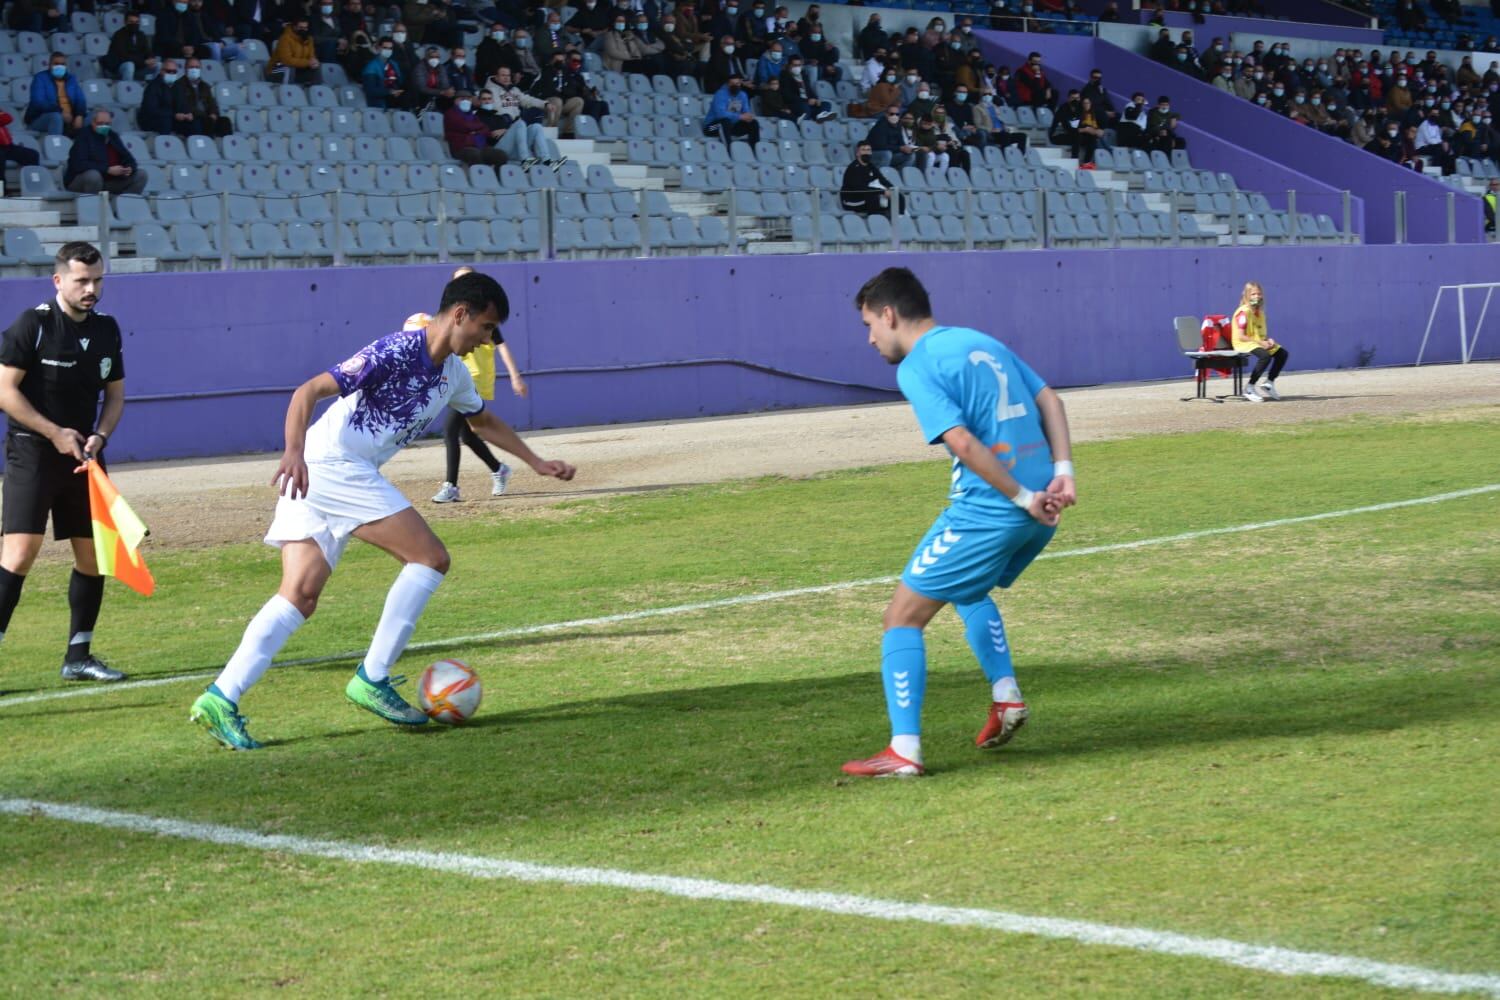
point(450, 692)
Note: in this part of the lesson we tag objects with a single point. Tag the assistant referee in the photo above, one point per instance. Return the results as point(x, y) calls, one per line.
point(55, 362)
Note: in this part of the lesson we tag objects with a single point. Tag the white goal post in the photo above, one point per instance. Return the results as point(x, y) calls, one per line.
point(1465, 341)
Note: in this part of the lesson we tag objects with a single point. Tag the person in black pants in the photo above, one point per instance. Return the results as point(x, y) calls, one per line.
point(457, 433)
point(56, 360)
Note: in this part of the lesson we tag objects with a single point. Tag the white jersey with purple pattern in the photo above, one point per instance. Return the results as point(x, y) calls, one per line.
point(388, 393)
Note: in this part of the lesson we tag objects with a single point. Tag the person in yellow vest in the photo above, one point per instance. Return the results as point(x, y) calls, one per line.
point(481, 365)
point(1491, 206)
point(1247, 333)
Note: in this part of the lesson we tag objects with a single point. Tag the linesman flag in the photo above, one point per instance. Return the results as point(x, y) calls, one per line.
point(117, 534)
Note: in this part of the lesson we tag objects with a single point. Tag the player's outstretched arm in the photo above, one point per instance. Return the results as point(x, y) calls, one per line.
point(971, 451)
point(500, 434)
point(291, 474)
point(16, 406)
point(1055, 425)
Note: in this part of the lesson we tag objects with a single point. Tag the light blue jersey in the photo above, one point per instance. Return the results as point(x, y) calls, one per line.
point(957, 377)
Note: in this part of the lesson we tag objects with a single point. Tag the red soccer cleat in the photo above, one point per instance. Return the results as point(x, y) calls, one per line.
point(1005, 718)
point(886, 764)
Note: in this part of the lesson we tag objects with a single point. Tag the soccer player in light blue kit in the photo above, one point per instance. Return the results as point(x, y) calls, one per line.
point(1012, 477)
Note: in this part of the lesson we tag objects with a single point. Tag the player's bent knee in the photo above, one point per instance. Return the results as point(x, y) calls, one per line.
point(436, 559)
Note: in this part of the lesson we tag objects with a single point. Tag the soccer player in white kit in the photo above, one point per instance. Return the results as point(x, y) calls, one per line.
point(331, 489)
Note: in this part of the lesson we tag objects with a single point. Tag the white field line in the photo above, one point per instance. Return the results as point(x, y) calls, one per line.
point(743, 599)
point(1262, 958)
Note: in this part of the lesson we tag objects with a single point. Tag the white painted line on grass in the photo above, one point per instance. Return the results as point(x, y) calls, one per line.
point(743, 599)
point(1262, 958)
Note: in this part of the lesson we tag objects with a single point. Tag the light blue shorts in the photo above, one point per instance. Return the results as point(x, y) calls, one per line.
point(959, 565)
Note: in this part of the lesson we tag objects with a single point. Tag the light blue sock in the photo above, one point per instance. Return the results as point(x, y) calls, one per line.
point(985, 631)
point(903, 666)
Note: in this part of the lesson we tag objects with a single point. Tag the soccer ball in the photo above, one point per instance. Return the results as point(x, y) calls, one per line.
point(450, 692)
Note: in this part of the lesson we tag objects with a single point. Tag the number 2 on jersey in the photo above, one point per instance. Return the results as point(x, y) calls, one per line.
point(1005, 409)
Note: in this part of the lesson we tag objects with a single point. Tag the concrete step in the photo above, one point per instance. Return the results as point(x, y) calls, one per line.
point(1243, 241)
point(20, 206)
point(54, 245)
point(65, 234)
point(780, 247)
point(1157, 202)
point(30, 220)
point(133, 265)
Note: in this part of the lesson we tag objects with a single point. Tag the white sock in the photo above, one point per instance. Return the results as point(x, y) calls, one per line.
point(403, 606)
point(267, 632)
point(909, 747)
point(1005, 689)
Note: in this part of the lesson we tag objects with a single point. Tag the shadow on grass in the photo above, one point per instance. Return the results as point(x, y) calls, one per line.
point(597, 760)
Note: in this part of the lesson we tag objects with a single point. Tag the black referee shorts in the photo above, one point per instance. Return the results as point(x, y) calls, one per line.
point(39, 480)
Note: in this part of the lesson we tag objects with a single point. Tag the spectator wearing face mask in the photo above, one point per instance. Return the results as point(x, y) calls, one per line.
point(1211, 60)
point(822, 56)
point(194, 110)
point(1387, 142)
point(987, 119)
point(553, 38)
point(469, 139)
point(525, 51)
point(629, 48)
point(157, 105)
point(944, 130)
point(1161, 127)
point(882, 94)
point(1432, 142)
point(457, 74)
point(57, 105)
point(1398, 99)
point(770, 64)
point(910, 85)
point(293, 58)
point(890, 145)
point(723, 62)
point(384, 85)
point(873, 70)
point(799, 97)
point(1281, 101)
point(1098, 95)
point(729, 116)
point(679, 55)
point(129, 50)
point(750, 32)
point(524, 139)
point(970, 73)
point(960, 111)
point(430, 84)
point(922, 103)
point(328, 38)
point(591, 22)
point(495, 51)
point(1134, 117)
point(1086, 133)
point(1033, 89)
point(98, 161)
point(564, 93)
point(870, 38)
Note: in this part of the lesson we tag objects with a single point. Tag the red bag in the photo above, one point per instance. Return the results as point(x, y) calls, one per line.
point(1215, 332)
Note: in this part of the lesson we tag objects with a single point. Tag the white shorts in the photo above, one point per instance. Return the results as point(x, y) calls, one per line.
point(341, 496)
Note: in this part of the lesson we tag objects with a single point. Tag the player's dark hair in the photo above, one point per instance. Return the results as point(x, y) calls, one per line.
point(477, 292)
point(898, 288)
point(85, 253)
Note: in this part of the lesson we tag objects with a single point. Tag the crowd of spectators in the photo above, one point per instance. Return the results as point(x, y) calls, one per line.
point(1414, 112)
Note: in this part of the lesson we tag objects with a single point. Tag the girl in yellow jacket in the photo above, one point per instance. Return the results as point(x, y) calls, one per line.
point(1247, 333)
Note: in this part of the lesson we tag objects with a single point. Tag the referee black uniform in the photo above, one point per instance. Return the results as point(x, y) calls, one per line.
point(67, 364)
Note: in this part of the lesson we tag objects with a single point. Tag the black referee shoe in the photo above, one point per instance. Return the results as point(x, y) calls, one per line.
point(90, 669)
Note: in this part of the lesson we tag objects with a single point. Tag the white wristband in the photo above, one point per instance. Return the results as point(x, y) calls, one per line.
point(1023, 499)
point(1064, 468)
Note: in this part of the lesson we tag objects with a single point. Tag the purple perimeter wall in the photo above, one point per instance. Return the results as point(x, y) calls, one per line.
point(212, 358)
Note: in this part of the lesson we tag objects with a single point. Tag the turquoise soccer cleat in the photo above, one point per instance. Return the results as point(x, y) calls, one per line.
point(223, 722)
point(382, 700)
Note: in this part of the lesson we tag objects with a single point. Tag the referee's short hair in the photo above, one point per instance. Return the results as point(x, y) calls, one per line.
point(85, 253)
point(477, 292)
point(898, 288)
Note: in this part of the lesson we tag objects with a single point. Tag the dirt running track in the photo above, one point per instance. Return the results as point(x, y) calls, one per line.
point(202, 502)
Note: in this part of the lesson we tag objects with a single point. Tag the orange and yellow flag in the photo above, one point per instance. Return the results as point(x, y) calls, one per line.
point(117, 534)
